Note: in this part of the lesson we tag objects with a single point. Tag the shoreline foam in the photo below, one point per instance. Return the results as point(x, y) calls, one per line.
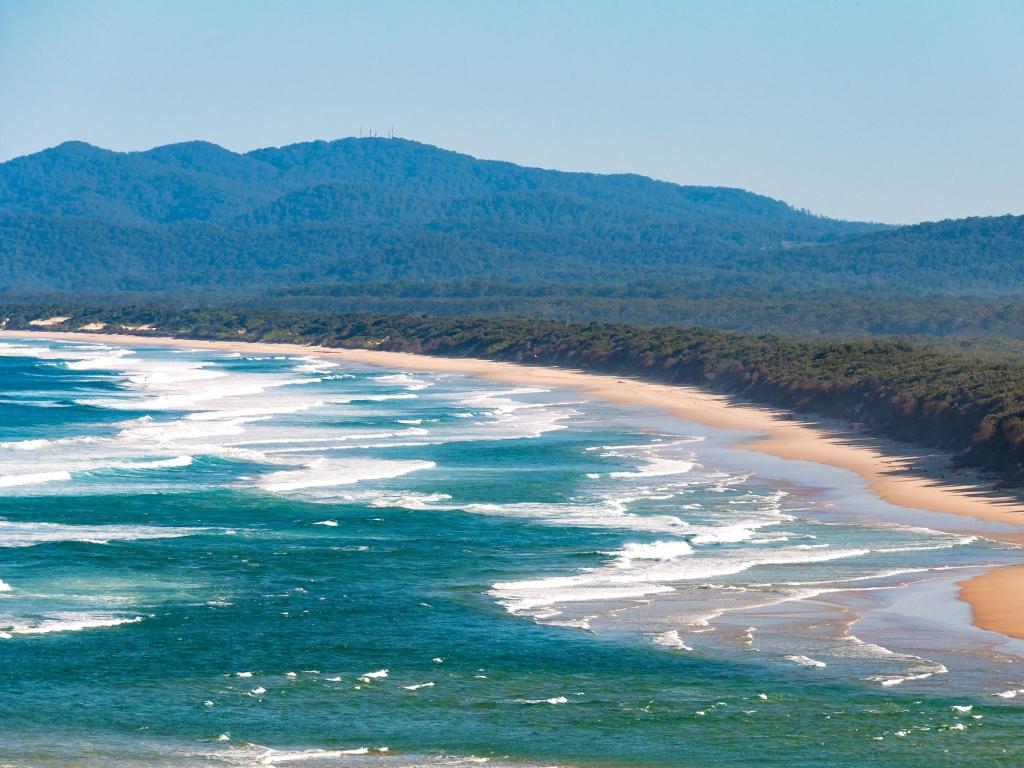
point(907, 479)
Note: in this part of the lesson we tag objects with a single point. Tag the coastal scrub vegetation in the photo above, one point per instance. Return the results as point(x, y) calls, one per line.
point(663, 302)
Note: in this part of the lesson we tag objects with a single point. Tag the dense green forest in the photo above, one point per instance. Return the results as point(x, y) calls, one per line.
point(960, 321)
point(666, 303)
point(973, 405)
point(194, 215)
point(394, 226)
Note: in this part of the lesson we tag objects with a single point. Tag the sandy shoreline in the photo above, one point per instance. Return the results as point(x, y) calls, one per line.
point(996, 600)
point(916, 481)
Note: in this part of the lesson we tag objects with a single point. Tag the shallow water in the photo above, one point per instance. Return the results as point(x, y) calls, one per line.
point(212, 559)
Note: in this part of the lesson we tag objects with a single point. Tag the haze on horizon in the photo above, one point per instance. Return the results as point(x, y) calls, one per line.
point(858, 110)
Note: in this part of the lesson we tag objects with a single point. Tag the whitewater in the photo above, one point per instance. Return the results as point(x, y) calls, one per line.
point(216, 558)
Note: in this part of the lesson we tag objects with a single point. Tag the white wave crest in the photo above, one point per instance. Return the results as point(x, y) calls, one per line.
point(626, 577)
point(403, 380)
point(65, 622)
point(371, 398)
point(22, 534)
point(658, 467)
point(34, 478)
point(552, 700)
point(805, 661)
point(326, 473)
point(273, 757)
point(671, 639)
point(171, 463)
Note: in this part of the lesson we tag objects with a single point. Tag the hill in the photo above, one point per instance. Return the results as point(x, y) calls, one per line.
point(77, 217)
point(396, 226)
point(977, 257)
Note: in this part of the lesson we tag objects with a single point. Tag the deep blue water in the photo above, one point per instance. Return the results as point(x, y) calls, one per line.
point(210, 559)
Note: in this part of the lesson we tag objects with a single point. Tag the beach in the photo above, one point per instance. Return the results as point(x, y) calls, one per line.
point(893, 472)
point(276, 552)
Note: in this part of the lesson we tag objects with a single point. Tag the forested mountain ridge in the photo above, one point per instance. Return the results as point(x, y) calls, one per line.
point(200, 181)
point(977, 256)
point(195, 217)
point(77, 217)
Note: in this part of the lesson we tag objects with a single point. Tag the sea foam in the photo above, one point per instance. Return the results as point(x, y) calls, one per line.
point(630, 577)
point(327, 473)
point(66, 622)
point(34, 478)
point(25, 534)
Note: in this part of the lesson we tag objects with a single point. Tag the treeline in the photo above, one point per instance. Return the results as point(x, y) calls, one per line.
point(665, 302)
point(969, 404)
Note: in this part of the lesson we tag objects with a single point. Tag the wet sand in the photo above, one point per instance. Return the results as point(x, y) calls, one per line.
point(997, 600)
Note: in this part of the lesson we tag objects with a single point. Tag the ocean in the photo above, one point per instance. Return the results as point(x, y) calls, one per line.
point(222, 559)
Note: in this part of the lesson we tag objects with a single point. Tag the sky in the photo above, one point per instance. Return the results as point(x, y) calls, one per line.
point(895, 111)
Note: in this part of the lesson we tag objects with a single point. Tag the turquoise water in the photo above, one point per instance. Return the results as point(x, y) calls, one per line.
point(214, 559)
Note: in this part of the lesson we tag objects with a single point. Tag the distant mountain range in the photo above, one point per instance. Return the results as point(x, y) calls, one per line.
point(195, 217)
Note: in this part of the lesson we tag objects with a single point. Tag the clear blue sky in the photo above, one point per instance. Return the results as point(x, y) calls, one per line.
point(890, 111)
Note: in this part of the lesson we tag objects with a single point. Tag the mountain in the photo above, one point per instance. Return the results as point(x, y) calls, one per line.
point(194, 215)
point(973, 257)
point(395, 225)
